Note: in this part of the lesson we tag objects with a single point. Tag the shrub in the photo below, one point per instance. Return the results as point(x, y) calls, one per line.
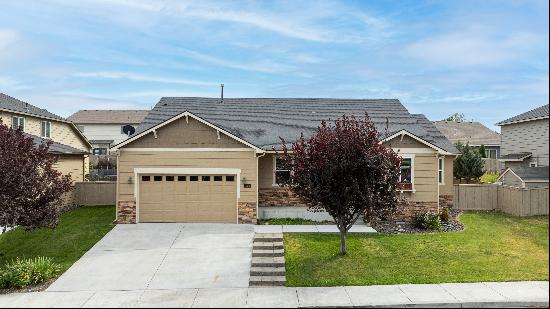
point(489, 177)
point(24, 272)
point(428, 221)
point(444, 215)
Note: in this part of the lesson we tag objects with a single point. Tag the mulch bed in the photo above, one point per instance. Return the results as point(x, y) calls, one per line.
point(392, 227)
point(32, 288)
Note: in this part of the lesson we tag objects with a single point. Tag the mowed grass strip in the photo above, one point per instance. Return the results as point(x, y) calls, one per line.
point(493, 247)
point(77, 232)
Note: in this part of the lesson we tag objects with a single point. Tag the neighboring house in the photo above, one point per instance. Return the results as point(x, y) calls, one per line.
point(524, 146)
point(473, 133)
point(212, 160)
point(68, 143)
point(105, 128)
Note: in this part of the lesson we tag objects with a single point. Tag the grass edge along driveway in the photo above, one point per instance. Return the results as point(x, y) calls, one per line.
point(78, 230)
point(493, 247)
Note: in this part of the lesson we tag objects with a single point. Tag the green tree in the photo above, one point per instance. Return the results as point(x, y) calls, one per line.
point(469, 165)
point(482, 151)
point(456, 117)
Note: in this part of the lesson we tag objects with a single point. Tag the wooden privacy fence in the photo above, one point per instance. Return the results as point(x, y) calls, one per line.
point(492, 165)
point(512, 200)
point(95, 193)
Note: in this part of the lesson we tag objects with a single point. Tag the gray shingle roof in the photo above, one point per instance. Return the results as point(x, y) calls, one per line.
point(537, 113)
point(13, 104)
point(516, 156)
point(532, 173)
point(472, 132)
point(108, 116)
point(261, 121)
point(56, 148)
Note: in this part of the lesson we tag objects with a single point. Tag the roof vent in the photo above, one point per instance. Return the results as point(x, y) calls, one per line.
point(221, 85)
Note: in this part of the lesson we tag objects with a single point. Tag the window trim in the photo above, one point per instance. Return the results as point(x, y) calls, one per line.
point(488, 153)
point(411, 157)
point(441, 169)
point(46, 124)
point(19, 119)
point(275, 170)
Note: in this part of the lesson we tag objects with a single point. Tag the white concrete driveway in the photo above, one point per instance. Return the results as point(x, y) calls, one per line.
point(164, 256)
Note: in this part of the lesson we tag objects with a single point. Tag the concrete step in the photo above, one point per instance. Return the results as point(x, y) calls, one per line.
point(267, 253)
point(267, 281)
point(267, 271)
point(268, 245)
point(277, 261)
point(274, 237)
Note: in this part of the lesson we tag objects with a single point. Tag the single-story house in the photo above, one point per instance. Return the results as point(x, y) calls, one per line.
point(473, 133)
point(215, 160)
point(525, 177)
point(68, 143)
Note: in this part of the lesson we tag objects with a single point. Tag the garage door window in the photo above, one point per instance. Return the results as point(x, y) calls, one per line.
point(193, 178)
point(169, 178)
point(205, 178)
point(182, 178)
point(145, 178)
point(218, 178)
point(158, 178)
point(229, 178)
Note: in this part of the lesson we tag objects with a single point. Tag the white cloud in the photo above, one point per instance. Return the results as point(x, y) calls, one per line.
point(10, 84)
point(469, 48)
point(141, 78)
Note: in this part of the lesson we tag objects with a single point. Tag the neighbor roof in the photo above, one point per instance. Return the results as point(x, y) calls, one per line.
point(261, 121)
point(518, 156)
point(473, 133)
point(13, 104)
point(108, 116)
point(56, 148)
point(530, 174)
point(535, 114)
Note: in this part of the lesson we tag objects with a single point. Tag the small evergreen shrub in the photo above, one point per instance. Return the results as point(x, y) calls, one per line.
point(489, 177)
point(24, 272)
point(444, 215)
point(428, 221)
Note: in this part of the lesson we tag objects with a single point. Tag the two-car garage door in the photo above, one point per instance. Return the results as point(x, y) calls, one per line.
point(187, 198)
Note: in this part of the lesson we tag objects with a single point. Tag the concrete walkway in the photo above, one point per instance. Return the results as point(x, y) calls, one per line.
point(264, 229)
point(495, 294)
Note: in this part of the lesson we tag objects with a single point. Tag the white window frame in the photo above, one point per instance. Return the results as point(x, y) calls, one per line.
point(441, 170)
point(46, 125)
point(19, 120)
point(275, 170)
point(411, 157)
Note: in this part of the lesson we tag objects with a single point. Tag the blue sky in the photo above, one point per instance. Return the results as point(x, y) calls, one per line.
point(486, 59)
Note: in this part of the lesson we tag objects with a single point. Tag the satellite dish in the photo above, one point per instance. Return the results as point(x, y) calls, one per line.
point(128, 130)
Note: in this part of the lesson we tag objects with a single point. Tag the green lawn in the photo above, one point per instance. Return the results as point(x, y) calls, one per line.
point(493, 247)
point(290, 221)
point(77, 232)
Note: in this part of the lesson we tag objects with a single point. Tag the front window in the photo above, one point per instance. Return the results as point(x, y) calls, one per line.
point(46, 129)
point(18, 123)
point(406, 176)
point(281, 170)
point(441, 171)
point(100, 151)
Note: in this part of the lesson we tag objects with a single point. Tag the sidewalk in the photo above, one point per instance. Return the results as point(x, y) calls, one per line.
point(320, 228)
point(495, 294)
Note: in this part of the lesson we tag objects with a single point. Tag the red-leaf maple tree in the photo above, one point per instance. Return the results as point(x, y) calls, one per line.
point(344, 169)
point(31, 189)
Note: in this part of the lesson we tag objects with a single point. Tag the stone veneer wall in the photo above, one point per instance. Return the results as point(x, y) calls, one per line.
point(247, 213)
point(278, 197)
point(406, 210)
point(126, 212)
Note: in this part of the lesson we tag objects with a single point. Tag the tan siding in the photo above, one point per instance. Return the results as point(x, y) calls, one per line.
point(62, 132)
point(71, 165)
point(447, 188)
point(265, 171)
point(529, 136)
point(407, 142)
point(425, 178)
point(244, 160)
point(180, 134)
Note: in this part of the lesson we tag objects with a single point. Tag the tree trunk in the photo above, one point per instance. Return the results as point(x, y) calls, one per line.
point(343, 246)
